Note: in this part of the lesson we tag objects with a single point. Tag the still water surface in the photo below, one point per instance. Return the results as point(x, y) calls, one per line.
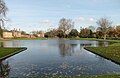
point(56, 57)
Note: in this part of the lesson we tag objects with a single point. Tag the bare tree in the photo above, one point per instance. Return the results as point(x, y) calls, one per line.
point(66, 25)
point(104, 24)
point(3, 11)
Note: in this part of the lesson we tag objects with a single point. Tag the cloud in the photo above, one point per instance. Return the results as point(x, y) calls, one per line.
point(91, 19)
point(79, 19)
point(45, 21)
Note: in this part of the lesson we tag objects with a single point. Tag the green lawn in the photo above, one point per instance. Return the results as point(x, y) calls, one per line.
point(24, 39)
point(29, 39)
point(115, 44)
point(93, 39)
point(101, 76)
point(97, 76)
point(6, 52)
point(112, 52)
point(82, 38)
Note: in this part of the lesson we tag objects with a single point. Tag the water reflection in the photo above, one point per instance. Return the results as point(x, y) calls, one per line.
point(103, 43)
point(4, 69)
point(14, 43)
point(57, 57)
point(85, 45)
point(66, 49)
point(1, 44)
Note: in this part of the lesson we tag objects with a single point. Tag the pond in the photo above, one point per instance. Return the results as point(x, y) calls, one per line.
point(56, 57)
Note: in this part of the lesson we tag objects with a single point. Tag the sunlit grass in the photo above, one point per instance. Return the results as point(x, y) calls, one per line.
point(115, 44)
point(82, 38)
point(7, 51)
point(29, 39)
point(95, 76)
point(112, 52)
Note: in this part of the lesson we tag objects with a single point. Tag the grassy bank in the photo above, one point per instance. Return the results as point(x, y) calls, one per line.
point(29, 39)
point(93, 39)
point(112, 52)
point(82, 38)
point(24, 39)
point(7, 52)
point(95, 76)
point(100, 76)
point(115, 44)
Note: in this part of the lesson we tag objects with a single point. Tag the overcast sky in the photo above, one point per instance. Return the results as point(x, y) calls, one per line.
point(31, 15)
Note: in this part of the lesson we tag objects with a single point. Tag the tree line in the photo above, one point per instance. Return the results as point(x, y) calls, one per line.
point(105, 30)
point(66, 28)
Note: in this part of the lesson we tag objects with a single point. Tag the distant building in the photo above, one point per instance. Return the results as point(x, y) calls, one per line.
point(41, 34)
point(7, 34)
point(32, 36)
point(16, 33)
point(25, 36)
point(12, 34)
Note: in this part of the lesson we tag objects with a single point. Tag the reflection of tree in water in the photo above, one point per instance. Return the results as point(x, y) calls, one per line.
point(16, 43)
point(66, 49)
point(1, 44)
point(4, 69)
point(103, 43)
point(85, 45)
point(10, 44)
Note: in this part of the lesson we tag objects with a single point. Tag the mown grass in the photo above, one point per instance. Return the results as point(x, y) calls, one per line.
point(111, 52)
point(82, 76)
point(94, 39)
point(29, 39)
point(23, 39)
point(82, 38)
point(115, 44)
point(8, 51)
point(100, 76)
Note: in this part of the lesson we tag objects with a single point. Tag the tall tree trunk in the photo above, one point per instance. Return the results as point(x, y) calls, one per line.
point(105, 36)
point(1, 32)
